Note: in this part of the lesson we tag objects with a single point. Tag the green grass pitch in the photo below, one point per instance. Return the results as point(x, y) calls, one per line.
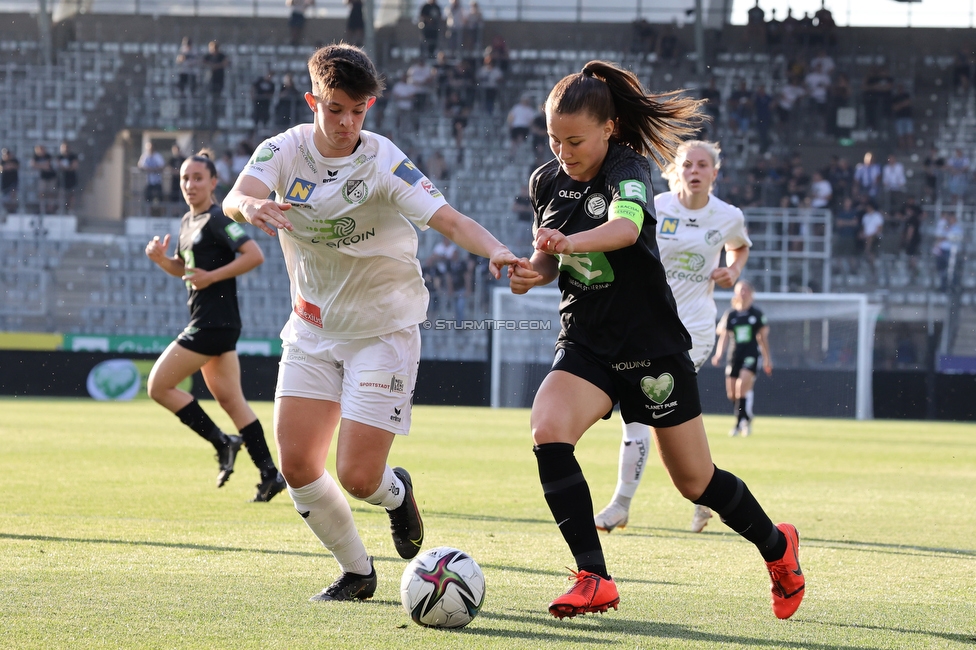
point(112, 535)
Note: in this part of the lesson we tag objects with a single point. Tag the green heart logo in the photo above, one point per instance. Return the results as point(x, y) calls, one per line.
point(658, 389)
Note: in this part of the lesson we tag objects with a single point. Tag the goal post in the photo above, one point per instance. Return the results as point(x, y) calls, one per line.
point(814, 337)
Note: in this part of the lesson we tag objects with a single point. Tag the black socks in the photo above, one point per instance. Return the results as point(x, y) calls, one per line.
point(257, 448)
point(727, 495)
point(194, 417)
point(568, 496)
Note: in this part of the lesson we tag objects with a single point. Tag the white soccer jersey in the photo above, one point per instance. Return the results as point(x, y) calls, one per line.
point(352, 257)
point(691, 244)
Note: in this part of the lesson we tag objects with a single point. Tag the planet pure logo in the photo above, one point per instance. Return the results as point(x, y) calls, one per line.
point(115, 379)
point(658, 389)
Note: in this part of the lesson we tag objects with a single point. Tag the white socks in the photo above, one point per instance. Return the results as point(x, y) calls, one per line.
point(327, 513)
point(634, 449)
point(750, 397)
point(390, 492)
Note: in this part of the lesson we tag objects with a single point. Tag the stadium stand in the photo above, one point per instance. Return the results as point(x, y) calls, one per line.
point(95, 276)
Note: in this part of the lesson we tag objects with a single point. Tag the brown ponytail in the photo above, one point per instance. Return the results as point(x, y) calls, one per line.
point(649, 124)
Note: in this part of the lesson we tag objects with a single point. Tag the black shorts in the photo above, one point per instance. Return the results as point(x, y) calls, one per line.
point(659, 392)
point(748, 361)
point(211, 342)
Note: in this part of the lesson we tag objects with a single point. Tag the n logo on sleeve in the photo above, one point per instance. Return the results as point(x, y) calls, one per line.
point(300, 190)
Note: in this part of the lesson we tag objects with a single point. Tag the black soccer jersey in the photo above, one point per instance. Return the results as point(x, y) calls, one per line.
point(744, 326)
point(617, 304)
point(209, 241)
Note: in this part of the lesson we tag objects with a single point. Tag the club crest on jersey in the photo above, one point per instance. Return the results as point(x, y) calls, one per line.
point(713, 237)
point(595, 206)
point(300, 191)
point(669, 226)
point(355, 191)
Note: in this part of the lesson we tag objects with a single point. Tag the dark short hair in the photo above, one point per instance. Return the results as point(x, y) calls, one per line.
point(347, 68)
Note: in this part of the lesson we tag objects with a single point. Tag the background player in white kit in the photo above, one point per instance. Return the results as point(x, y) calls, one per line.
point(693, 228)
point(347, 204)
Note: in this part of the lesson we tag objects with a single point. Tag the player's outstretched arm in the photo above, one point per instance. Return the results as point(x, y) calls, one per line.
point(248, 201)
point(472, 237)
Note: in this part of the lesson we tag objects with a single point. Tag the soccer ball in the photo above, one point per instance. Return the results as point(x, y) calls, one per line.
point(442, 587)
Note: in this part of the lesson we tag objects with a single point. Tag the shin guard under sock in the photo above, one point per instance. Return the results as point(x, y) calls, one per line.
point(569, 500)
point(193, 416)
point(729, 496)
point(257, 449)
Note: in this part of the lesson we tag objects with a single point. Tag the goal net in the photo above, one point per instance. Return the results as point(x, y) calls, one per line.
point(822, 348)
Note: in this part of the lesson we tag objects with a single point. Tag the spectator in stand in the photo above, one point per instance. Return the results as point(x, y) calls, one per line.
point(498, 50)
point(9, 179)
point(187, 62)
point(894, 182)
point(867, 177)
point(934, 167)
point(713, 108)
point(444, 74)
point(740, 109)
point(786, 100)
point(846, 230)
point(473, 32)
point(153, 164)
point(403, 94)
point(539, 137)
point(438, 273)
point(948, 236)
point(903, 115)
point(262, 93)
point(911, 234)
point(489, 78)
point(458, 110)
point(791, 31)
point(216, 63)
point(296, 21)
point(644, 36)
point(876, 96)
point(667, 45)
point(958, 169)
point(174, 164)
point(804, 30)
point(962, 70)
point(436, 167)
point(821, 193)
point(762, 105)
point(838, 96)
point(817, 83)
point(355, 23)
point(67, 165)
point(47, 177)
point(756, 27)
point(841, 177)
point(422, 76)
point(429, 23)
point(454, 24)
point(824, 63)
point(519, 123)
point(872, 224)
point(463, 81)
point(286, 109)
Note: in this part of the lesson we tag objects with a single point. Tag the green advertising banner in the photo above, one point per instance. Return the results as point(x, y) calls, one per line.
point(156, 344)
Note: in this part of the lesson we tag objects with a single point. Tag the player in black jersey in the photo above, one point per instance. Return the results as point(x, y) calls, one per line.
point(621, 341)
point(747, 331)
point(212, 251)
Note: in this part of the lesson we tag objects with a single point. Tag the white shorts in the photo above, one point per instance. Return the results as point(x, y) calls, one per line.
point(702, 344)
point(372, 379)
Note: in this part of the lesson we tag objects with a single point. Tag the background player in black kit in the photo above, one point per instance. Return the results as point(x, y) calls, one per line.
point(621, 340)
point(211, 252)
point(747, 331)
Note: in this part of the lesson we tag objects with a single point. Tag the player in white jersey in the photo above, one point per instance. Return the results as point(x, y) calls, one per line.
point(346, 206)
point(693, 228)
